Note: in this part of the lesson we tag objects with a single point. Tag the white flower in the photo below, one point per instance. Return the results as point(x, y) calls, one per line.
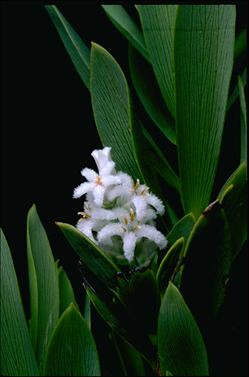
point(131, 230)
point(98, 183)
point(116, 206)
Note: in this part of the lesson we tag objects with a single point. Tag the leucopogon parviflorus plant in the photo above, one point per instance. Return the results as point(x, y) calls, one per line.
point(163, 219)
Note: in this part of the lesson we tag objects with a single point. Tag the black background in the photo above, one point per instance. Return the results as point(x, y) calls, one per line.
point(48, 133)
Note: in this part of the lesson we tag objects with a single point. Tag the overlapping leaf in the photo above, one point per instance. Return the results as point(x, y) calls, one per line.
point(72, 350)
point(66, 291)
point(204, 40)
point(180, 343)
point(234, 199)
point(243, 122)
point(158, 24)
point(44, 286)
point(125, 24)
point(91, 255)
point(76, 48)
point(16, 352)
point(112, 109)
point(149, 94)
point(207, 263)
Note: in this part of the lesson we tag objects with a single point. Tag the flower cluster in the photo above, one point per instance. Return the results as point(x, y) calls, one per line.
point(116, 206)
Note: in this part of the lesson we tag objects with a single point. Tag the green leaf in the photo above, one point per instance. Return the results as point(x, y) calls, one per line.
point(138, 302)
point(130, 358)
point(91, 255)
point(235, 93)
point(43, 282)
point(112, 108)
point(159, 161)
point(207, 263)
point(204, 41)
point(181, 229)
point(125, 24)
point(76, 48)
point(243, 122)
point(169, 264)
point(17, 355)
point(158, 24)
point(240, 44)
point(116, 315)
point(233, 197)
point(149, 94)
point(87, 311)
point(66, 291)
point(180, 343)
point(72, 350)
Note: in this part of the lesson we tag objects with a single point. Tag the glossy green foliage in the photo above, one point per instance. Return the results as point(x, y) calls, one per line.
point(125, 24)
point(204, 41)
point(72, 350)
point(207, 263)
point(76, 48)
point(180, 343)
point(112, 108)
point(91, 255)
point(169, 265)
point(158, 24)
point(16, 352)
point(44, 285)
point(66, 291)
point(234, 199)
point(149, 94)
point(243, 121)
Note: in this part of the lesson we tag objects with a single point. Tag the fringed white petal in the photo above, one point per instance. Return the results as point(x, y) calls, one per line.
point(101, 157)
point(129, 244)
point(155, 202)
point(140, 206)
point(109, 180)
point(98, 195)
point(86, 226)
point(115, 192)
point(82, 189)
point(108, 168)
point(153, 234)
point(112, 229)
point(89, 174)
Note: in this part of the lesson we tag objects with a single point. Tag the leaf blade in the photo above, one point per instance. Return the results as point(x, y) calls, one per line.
point(180, 343)
point(17, 355)
point(158, 23)
point(203, 64)
point(112, 109)
point(76, 48)
point(125, 24)
point(72, 350)
point(45, 310)
point(94, 258)
point(243, 122)
point(149, 94)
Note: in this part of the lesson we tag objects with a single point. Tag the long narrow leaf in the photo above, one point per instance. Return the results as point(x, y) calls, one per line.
point(91, 255)
point(66, 291)
point(243, 122)
point(112, 108)
point(234, 199)
point(158, 23)
point(45, 292)
point(235, 92)
point(149, 94)
point(180, 343)
point(72, 350)
point(76, 48)
point(240, 44)
point(204, 42)
point(17, 356)
point(125, 24)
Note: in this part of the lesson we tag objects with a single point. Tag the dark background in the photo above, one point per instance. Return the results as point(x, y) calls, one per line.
point(48, 133)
